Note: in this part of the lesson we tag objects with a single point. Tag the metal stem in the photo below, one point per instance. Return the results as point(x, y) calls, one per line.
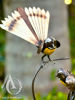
point(33, 92)
point(42, 65)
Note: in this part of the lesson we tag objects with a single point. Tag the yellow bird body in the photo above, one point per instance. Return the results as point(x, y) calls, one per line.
point(63, 83)
point(48, 51)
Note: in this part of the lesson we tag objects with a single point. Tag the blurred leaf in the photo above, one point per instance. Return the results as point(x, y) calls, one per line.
point(53, 75)
point(61, 96)
point(54, 91)
point(49, 96)
point(72, 33)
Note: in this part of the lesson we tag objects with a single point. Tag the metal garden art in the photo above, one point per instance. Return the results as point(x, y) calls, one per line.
point(67, 79)
point(31, 24)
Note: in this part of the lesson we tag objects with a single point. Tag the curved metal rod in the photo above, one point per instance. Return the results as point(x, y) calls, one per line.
point(42, 65)
point(71, 95)
point(61, 59)
point(33, 92)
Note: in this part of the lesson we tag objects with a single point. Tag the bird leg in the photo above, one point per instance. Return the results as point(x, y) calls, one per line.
point(43, 58)
point(50, 59)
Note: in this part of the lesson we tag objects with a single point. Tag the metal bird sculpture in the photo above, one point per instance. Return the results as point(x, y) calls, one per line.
point(67, 79)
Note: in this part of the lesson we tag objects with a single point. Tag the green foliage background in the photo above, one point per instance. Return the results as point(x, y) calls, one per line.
point(71, 20)
point(2, 47)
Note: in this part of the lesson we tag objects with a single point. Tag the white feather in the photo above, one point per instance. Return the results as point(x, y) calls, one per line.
point(39, 24)
point(20, 29)
point(47, 23)
point(36, 23)
point(43, 23)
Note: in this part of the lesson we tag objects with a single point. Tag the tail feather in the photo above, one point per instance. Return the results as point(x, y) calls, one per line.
point(30, 24)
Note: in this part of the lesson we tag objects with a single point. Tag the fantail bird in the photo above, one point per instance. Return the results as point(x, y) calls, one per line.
point(67, 79)
point(31, 24)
